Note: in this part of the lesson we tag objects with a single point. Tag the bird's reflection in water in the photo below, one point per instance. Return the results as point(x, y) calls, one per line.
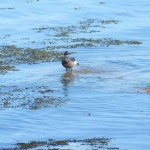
point(69, 77)
point(66, 79)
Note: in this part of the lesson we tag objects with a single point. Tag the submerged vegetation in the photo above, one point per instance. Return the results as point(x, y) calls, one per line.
point(85, 26)
point(48, 46)
point(51, 144)
point(5, 68)
point(60, 39)
point(146, 89)
point(29, 98)
point(12, 55)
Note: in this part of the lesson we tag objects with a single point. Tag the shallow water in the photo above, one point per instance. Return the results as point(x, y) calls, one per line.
point(101, 97)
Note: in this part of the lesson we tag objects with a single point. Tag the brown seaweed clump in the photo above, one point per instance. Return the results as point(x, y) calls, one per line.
point(51, 144)
point(32, 98)
point(60, 39)
point(10, 56)
point(146, 89)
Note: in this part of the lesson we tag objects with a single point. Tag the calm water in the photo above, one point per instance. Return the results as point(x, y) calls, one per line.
point(104, 102)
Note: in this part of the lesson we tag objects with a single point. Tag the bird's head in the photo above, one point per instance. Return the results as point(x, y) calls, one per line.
point(66, 53)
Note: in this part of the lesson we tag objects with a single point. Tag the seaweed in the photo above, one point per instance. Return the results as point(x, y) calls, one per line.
point(52, 144)
point(32, 98)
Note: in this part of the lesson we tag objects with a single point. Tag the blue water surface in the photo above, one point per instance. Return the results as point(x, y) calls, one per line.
point(104, 103)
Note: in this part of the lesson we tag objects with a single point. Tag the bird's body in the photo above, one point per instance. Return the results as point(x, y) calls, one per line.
point(68, 62)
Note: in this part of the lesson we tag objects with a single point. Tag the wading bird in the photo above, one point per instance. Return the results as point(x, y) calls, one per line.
point(68, 62)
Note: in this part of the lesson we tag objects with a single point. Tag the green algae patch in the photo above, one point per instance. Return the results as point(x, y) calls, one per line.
point(10, 56)
point(60, 39)
point(4, 69)
point(82, 26)
point(89, 42)
point(13, 54)
point(32, 98)
point(35, 144)
point(88, 22)
point(89, 26)
point(73, 43)
point(52, 144)
point(44, 102)
point(103, 42)
point(32, 144)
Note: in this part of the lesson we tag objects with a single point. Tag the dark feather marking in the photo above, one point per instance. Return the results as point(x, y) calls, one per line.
point(72, 59)
point(65, 60)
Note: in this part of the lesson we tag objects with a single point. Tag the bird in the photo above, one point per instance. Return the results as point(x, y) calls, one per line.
point(68, 62)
